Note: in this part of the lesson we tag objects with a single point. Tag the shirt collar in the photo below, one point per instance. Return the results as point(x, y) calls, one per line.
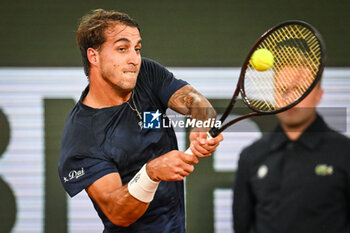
point(314, 133)
point(278, 138)
point(310, 137)
point(84, 93)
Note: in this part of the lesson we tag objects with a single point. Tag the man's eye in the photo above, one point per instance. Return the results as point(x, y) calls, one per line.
point(283, 88)
point(138, 50)
point(298, 88)
point(122, 49)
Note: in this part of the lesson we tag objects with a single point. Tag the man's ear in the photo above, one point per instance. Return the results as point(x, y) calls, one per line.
point(319, 94)
point(92, 55)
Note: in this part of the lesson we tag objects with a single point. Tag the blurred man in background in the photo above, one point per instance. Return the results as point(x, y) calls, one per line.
point(295, 179)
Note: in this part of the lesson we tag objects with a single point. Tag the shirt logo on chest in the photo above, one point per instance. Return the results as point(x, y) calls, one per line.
point(323, 170)
point(262, 171)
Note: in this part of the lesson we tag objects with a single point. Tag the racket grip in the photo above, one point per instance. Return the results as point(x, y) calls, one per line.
point(188, 151)
point(213, 132)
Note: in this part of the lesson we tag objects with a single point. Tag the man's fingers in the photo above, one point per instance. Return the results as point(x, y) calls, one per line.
point(202, 148)
point(206, 148)
point(188, 169)
point(197, 153)
point(183, 169)
point(216, 140)
point(202, 138)
point(189, 159)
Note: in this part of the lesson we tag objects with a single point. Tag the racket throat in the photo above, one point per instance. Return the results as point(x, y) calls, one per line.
point(224, 127)
point(230, 106)
point(216, 131)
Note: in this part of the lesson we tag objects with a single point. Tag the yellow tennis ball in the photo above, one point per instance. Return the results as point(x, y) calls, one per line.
point(262, 59)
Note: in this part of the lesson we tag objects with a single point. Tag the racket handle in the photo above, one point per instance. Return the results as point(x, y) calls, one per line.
point(213, 132)
point(188, 151)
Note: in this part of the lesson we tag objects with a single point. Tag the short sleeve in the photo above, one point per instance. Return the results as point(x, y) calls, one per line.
point(78, 172)
point(163, 82)
point(81, 162)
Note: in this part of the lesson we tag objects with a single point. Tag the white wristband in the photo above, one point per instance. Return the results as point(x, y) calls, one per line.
point(142, 187)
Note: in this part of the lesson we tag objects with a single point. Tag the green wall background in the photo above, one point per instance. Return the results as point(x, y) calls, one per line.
point(175, 33)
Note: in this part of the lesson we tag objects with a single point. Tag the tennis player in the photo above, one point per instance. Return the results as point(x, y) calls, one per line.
point(133, 175)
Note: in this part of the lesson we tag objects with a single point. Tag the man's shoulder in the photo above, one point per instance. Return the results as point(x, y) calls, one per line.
point(151, 67)
point(258, 148)
point(262, 142)
point(329, 135)
point(337, 139)
point(78, 118)
point(78, 125)
point(149, 61)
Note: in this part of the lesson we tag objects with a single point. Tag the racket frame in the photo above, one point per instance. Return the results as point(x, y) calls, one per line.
point(240, 84)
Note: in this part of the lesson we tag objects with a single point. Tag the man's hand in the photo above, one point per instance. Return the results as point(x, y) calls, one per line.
point(172, 166)
point(200, 146)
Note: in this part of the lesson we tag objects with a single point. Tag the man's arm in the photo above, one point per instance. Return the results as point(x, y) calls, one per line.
point(123, 209)
point(188, 101)
point(115, 201)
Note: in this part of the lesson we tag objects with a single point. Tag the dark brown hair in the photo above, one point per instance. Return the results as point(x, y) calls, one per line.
point(91, 30)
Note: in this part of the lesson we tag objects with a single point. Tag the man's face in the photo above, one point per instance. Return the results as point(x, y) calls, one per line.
point(119, 58)
point(302, 112)
point(305, 110)
point(290, 83)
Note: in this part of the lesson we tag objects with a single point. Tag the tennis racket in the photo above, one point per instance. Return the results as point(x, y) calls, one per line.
point(298, 61)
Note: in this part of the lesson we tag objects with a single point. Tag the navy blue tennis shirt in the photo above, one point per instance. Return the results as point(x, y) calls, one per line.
point(97, 142)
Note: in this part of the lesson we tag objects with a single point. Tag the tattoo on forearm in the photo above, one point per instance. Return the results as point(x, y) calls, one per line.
point(189, 101)
point(183, 98)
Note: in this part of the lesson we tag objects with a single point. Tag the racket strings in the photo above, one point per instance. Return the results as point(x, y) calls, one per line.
point(301, 58)
point(310, 40)
point(297, 58)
